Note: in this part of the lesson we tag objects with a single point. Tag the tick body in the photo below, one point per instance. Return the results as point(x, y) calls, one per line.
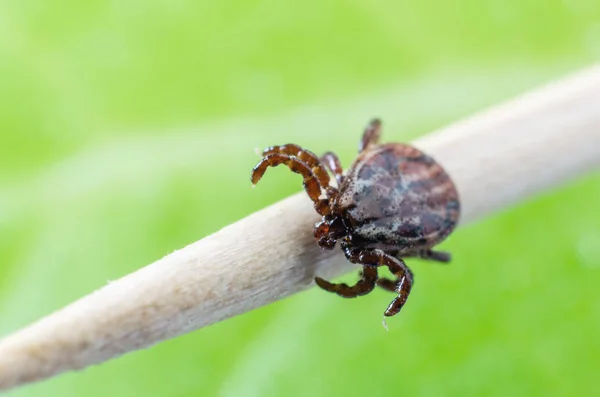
point(392, 203)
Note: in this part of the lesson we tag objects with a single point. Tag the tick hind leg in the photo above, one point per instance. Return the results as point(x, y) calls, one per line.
point(438, 256)
point(365, 285)
point(370, 135)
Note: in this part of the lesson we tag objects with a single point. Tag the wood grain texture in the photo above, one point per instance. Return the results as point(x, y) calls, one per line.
point(498, 158)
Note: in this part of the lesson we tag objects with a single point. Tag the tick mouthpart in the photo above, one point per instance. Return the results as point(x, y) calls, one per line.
point(326, 243)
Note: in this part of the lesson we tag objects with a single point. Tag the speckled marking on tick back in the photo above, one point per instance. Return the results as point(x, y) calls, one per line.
point(398, 199)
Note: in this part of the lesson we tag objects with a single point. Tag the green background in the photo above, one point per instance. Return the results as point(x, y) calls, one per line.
point(128, 128)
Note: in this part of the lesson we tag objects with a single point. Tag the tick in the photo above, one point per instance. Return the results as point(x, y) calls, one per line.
point(394, 202)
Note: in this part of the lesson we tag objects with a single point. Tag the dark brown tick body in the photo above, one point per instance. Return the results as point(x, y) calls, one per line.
point(393, 202)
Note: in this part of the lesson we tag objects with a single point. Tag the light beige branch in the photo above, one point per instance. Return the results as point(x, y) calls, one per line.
point(497, 158)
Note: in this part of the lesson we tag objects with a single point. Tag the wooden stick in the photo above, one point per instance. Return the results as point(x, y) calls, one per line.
point(498, 158)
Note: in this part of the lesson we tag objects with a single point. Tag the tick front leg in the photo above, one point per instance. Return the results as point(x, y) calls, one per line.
point(365, 285)
point(314, 184)
point(403, 284)
point(304, 155)
point(370, 135)
point(332, 162)
point(311, 183)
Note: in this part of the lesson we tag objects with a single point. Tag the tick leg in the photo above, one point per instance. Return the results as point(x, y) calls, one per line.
point(403, 283)
point(311, 183)
point(390, 285)
point(387, 284)
point(303, 162)
point(370, 135)
point(365, 285)
point(438, 256)
point(332, 162)
point(306, 156)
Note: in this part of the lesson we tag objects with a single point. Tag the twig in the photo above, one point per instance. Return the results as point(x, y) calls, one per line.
point(500, 157)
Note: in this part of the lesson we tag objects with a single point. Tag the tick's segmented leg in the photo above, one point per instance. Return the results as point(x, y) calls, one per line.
point(311, 183)
point(307, 156)
point(370, 135)
point(390, 285)
point(332, 162)
point(365, 285)
point(402, 285)
point(438, 256)
point(387, 284)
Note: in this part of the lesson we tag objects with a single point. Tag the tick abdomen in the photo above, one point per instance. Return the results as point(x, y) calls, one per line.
point(397, 198)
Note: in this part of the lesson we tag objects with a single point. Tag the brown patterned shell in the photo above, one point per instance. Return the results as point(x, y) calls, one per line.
point(395, 197)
